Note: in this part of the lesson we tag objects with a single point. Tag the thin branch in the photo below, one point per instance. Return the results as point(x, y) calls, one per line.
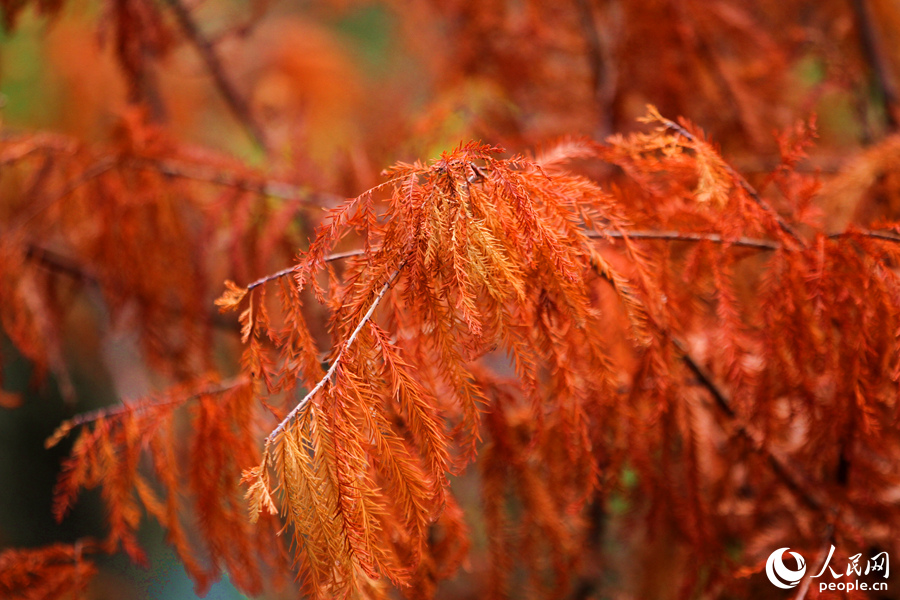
point(887, 236)
point(705, 378)
point(881, 72)
point(40, 179)
point(795, 482)
point(601, 67)
point(745, 242)
point(237, 178)
point(594, 46)
point(677, 236)
point(745, 185)
point(119, 409)
point(337, 361)
point(59, 263)
point(210, 57)
point(259, 185)
point(798, 484)
point(289, 270)
point(95, 170)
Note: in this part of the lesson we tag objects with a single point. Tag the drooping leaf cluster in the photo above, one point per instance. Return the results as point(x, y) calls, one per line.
point(472, 256)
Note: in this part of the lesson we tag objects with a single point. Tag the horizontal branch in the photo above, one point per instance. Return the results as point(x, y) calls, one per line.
point(746, 242)
point(119, 409)
point(337, 360)
point(884, 235)
point(18, 147)
point(272, 188)
point(234, 177)
point(678, 236)
point(289, 270)
point(61, 264)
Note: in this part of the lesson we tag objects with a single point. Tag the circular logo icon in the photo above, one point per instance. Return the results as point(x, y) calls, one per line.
point(780, 575)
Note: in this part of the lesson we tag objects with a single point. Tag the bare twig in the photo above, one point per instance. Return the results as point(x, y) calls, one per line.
point(289, 270)
point(887, 236)
point(59, 263)
point(337, 360)
point(20, 147)
point(745, 242)
point(678, 236)
point(594, 46)
point(210, 57)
